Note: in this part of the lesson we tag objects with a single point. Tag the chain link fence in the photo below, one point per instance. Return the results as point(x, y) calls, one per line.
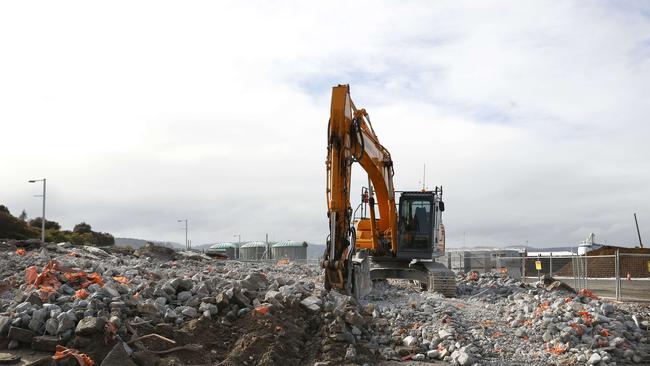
point(620, 276)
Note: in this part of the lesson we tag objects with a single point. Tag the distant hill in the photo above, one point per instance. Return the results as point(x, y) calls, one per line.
point(137, 243)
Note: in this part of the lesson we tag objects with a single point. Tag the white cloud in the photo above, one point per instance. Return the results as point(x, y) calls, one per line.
point(532, 115)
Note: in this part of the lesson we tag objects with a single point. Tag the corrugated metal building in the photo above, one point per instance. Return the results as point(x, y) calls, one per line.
point(290, 250)
point(253, 251)
point(230, 250)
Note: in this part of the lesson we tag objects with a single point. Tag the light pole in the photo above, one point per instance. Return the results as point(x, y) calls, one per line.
point(186, 242)
point(238, 243)
point(43, 216)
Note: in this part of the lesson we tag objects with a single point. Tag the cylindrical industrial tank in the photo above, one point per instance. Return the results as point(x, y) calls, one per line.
point(290, 250)
point(227, 249)
point(253, 251)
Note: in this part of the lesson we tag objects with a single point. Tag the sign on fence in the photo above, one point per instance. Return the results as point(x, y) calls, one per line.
point(538, 265)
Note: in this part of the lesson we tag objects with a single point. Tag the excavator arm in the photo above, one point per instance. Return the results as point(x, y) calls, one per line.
point(351, 139)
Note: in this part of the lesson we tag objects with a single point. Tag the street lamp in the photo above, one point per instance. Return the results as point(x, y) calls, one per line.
point(186, 242)
point(43, 216)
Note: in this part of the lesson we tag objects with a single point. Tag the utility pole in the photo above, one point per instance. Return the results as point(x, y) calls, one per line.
point(187, 243)
point(637, 230)
point(43, 216)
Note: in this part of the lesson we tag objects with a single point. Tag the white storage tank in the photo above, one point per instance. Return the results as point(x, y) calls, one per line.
point(290, 250)
point(230, 250)
point(253, 251)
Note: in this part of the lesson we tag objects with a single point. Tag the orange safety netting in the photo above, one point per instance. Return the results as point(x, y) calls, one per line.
point(543, 306)
point(45, 278)
point(558, 349)
point(587, 293)
point(604, 333)
point(578, 328)
point(84, 279)
point(262, 310)
point(121, 279)
point(20, 251)
point(82, 358)
point(81, 294)
point(586, 317)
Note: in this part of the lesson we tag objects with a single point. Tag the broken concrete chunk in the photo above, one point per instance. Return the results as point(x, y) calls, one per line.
point(90, 325)
point(118, 356)
point(20, 334)
point(45, 343)
point(311, 303)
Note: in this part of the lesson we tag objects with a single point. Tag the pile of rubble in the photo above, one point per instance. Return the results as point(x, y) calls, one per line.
point(159, 307)
point(497, 320)
point(154, 306)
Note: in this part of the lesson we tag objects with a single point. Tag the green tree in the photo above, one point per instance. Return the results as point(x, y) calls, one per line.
point(82, 228)
point(36, 223)
point(13, 228)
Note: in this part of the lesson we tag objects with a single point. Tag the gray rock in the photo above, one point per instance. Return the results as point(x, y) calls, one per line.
point(181, 284)
point(418, 357)
point(271, 295)
point(23, 307)
point(190, 312)
point(350, 353)
point(443, 333)
point(90, 325)
point(433, 354)
point(5, 323)
point(51, 325)
point(45, 343)
point(410, 341)
point(464, 358)
point(607, 309)
point(184, 296)
point(311, 303)
point(594, 359)
point(118, 356)
point(66, 289)
point(112, 291)
point(34, 299)
point(35, 325)
point(255, 281)
point(20, 334)
point(13, 344)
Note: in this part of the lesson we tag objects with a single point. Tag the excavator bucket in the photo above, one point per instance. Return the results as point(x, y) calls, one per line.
point(361, 282)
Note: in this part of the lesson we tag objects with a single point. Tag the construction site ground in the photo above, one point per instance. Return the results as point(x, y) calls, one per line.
point(160, 307)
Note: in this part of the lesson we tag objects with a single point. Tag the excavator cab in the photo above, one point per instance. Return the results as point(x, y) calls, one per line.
point(418, 224)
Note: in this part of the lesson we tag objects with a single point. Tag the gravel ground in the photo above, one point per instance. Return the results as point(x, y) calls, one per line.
point(158, 307)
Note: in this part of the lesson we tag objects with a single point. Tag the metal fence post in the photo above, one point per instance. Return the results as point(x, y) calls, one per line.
point(573, 270)
point(617, 268)
point(550, 264)
point(586, 271)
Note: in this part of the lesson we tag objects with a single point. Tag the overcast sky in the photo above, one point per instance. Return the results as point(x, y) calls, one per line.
point(532, 115)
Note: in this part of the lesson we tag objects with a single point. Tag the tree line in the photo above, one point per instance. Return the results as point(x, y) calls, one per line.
point(22, 228)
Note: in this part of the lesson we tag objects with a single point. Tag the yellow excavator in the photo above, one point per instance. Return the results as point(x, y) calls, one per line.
point(407, 236)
